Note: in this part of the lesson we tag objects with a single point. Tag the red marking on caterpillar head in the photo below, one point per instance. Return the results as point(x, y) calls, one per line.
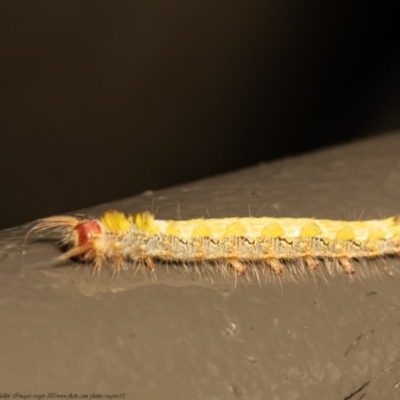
point(86, 230)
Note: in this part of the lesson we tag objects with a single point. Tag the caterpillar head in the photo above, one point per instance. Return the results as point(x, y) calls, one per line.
point(78, 235)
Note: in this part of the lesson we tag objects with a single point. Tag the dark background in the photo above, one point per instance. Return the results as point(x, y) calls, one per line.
point(105, 99)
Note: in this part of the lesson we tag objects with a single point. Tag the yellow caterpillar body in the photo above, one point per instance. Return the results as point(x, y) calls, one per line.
point(116, 238)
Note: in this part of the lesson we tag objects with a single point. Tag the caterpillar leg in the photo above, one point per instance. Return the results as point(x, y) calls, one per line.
point(149, 264)
point(117, 264)
point(346, 265)
point(97, 266)
point(84, 249)
point(238, 267)
point(275, 265)
point(98, 262)
point(312, 263)
point(86, 252)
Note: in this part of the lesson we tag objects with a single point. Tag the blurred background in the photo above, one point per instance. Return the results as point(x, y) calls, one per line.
point(102, 100)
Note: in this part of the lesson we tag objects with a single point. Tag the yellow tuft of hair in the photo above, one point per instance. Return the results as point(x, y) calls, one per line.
point(172, 229)
point(310, 230)
point(144, 221)
point(201, 229)
point(115, 221)
point(346, 233)
point(375, 233)
point(272, 230)
point(235, 229)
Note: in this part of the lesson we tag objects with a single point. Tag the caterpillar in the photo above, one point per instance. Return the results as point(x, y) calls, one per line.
point(118, 239)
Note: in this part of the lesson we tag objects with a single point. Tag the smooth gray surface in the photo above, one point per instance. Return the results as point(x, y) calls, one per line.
point(184, 337)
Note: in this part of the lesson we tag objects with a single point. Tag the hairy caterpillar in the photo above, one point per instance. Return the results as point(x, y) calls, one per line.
point(117, 239)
